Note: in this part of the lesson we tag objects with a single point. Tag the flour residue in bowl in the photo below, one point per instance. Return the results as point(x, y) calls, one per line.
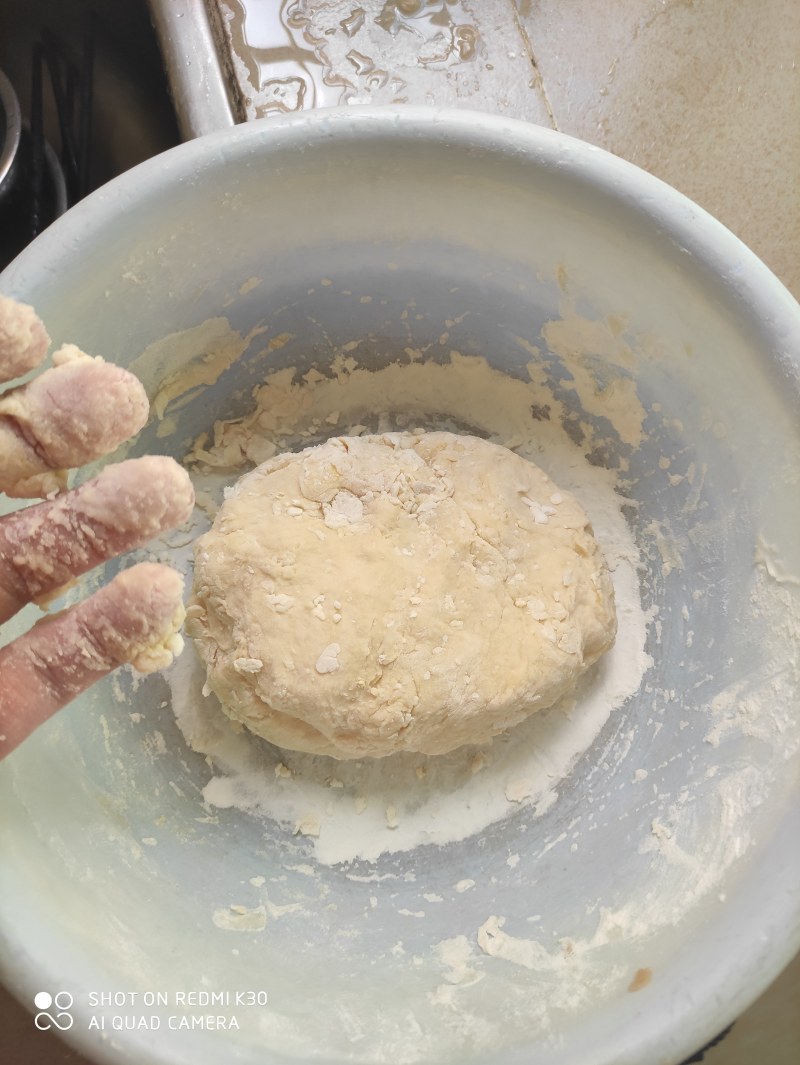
point(360, 810)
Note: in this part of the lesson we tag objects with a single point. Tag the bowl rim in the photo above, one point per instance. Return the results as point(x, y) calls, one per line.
point(758, 950)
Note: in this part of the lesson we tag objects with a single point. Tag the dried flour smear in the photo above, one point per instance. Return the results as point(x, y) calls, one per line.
point(360, 809)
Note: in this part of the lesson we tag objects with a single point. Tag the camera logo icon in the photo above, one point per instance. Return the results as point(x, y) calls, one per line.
point(60, 1017)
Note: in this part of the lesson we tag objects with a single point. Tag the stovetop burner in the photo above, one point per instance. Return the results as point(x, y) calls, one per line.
point(33, 191)
point(36, 185)
point(83, 98)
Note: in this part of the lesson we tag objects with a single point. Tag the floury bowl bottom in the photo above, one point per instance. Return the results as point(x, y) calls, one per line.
point(639, 909)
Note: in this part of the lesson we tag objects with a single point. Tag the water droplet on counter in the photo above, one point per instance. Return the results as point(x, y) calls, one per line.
point(317, 53)
point(377, 79)
point(354, 21)
point(466, 40)
point(282, 94)
point(362, 63)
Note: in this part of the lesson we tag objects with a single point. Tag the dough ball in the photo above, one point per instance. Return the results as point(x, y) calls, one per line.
point(402, 592)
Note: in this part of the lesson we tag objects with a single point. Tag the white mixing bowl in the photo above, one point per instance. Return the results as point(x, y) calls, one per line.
point(659, 893)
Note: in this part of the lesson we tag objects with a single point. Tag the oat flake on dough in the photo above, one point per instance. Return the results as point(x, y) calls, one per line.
point(403, 592)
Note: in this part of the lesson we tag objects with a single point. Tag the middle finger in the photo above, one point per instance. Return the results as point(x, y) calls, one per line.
point(44, 546)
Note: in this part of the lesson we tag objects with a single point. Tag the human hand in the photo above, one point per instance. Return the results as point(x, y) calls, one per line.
point(75, 412)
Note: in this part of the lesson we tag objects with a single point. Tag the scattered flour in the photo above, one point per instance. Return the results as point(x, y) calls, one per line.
point(360, 810)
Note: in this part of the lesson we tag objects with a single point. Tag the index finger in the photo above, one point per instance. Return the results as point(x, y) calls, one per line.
point(23, 339)
point(126, 505)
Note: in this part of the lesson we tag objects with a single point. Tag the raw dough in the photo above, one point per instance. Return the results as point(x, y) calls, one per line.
point(402, 592)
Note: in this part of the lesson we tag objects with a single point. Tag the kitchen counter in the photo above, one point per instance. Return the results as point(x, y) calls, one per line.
point(705, 96)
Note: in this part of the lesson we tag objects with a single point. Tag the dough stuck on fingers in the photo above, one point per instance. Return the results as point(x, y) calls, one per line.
point(402, 592)
point(79, 410)
point(23, 339)
point(134, 619)
point(45, 546)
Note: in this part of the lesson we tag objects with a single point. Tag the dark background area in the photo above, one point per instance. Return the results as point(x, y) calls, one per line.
point(131, 116)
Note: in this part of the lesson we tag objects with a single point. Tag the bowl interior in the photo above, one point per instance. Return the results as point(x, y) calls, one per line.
point(641, 907)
